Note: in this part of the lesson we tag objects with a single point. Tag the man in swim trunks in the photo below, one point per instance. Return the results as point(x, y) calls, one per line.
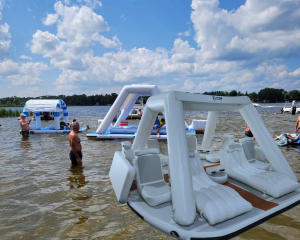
point(297, 126)
point(24, 125)
point(75, 145)
point(248, 132)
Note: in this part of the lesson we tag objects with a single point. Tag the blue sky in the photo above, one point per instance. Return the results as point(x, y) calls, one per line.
point(96, 47)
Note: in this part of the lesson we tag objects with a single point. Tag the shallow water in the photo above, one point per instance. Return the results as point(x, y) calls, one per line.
point(42, 196)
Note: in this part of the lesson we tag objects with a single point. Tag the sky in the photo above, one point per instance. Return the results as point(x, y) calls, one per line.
point(96, 47)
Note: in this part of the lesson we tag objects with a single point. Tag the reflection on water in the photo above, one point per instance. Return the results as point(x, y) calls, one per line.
point(42, 196)
point(77, 179)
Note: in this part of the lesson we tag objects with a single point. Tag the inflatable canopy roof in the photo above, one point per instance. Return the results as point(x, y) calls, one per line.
point(46, 105)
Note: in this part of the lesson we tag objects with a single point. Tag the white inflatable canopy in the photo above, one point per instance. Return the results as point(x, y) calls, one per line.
point(53, 105)
point(173, 104)
point(125, 101)
point(46, 105)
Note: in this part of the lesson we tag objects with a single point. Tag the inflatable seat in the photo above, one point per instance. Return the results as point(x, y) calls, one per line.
point(153, 143)
point(217, 203)
point(127, 151)
point(249, 150)
point(237, 167)
point(149, 177)
point(226, 140)
point(192, 142)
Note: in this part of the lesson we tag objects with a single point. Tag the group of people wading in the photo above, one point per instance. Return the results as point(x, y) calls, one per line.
point(75, 154)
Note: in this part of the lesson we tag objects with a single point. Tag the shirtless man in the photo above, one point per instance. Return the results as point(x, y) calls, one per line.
point(75, 145)
point(24, 125)
point(297, 126)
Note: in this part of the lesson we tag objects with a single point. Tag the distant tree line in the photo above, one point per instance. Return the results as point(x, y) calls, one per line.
point(270, 95)
point(264, 95)
point(75, 100)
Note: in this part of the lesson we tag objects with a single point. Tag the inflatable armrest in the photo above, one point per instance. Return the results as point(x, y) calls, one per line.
point(259, 154)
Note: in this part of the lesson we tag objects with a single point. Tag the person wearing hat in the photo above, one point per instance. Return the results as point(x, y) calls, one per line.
point(24, 125)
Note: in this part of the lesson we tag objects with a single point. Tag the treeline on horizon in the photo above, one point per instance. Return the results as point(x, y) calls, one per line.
point(270, 95)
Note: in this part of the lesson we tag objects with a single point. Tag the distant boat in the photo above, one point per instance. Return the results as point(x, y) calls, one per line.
point(289, 109)
point(256, 105)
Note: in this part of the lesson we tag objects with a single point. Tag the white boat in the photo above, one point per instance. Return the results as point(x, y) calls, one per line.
point(56, 106)
point(290, 109)
point(203, 199)
point(256, 105)
point(125, 102)
point(135, 110)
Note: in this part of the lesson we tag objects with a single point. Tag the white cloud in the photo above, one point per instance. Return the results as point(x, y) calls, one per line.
point(123, 17)
point(186, 33)
point(115, 42)
point(50, 19)
point(31, 92)
point(234, 48)
point(67, 2)
point(2, 4)
point(25, 57)
point(29, 10)
point(91, 3)
point(4, 40)
point(295, 73)
point(188, 85)
point(168, 88)
point(263, 30)
point(21, 74)
point(23, 80)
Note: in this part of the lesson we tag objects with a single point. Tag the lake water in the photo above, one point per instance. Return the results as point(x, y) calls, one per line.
point(43, 197)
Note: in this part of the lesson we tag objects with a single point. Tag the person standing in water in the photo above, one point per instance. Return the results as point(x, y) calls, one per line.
point(248, 132)
point(24, 125)
point(294, 107)
point(297, 126)
point(75, 145)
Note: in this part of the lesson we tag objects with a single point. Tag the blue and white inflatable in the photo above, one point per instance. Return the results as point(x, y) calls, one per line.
point(125, 101)
point(44, 105)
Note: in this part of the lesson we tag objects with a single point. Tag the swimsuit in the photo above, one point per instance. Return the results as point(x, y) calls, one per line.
point(73, 158)
point(248, 133)
point(25, 134)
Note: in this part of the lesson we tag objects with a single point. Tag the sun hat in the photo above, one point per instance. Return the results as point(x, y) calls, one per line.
point(22, 115)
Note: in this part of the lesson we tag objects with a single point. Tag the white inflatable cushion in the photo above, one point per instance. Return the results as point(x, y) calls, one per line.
point(191, 154)
point(220, 203)
point(237, 167)
point(121, 175)
point(156, 193)
point(213, 157)
point(248, 147)
point(152, 143)
point(126, 144)
point(192, 142)
point(150, 180)
point(217, 203)
point(146, 151)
